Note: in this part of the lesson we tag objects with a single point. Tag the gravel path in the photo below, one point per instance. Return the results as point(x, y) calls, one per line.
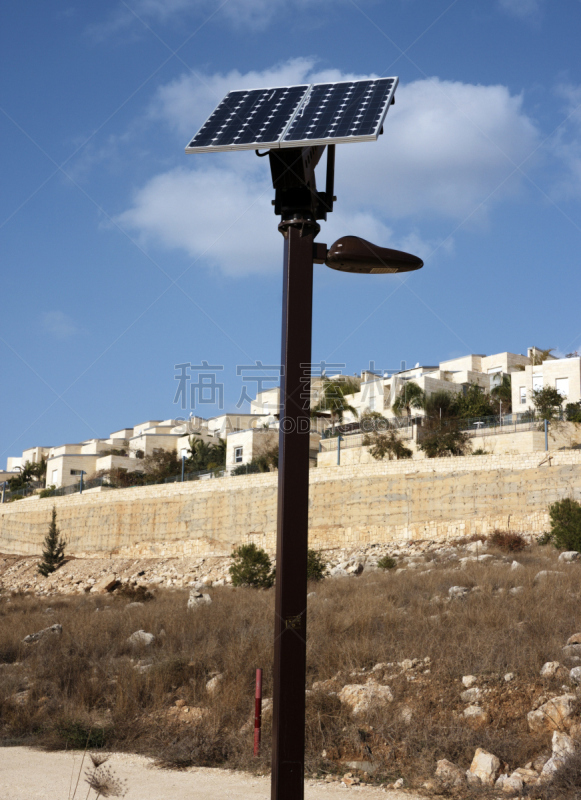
point(27, 774)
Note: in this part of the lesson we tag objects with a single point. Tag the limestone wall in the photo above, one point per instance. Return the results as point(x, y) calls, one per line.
point(381, 502)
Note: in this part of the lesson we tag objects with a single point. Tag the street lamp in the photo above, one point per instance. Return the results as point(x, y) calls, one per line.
point(295, 124)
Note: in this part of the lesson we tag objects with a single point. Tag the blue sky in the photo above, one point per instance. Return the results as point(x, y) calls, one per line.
point(121, 256)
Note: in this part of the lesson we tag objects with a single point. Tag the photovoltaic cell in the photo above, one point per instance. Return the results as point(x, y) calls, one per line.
point(294, 116)
point(341, 112)
point(248, 119)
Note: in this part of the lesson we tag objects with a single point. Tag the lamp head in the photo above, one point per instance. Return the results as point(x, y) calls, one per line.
point(353, 254)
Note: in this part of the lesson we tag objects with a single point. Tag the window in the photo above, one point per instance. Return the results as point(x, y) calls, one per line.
point(562, 386)
point(76, 472)
point(55, 475)
point(537, 383)
point(238, 455)
point(523, 394)
point(372, 403)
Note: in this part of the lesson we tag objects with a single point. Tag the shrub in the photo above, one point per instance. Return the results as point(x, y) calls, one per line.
point(247, 469)
point(386, 444)
point(251, 567)
point(544, 539)
point(446, 441)
point(316, 566)
point(507, 540)
point(566, 524)
point(480, 452)
point(53, 555)
point(573, 412)
point(48, 492)
point(387, 562)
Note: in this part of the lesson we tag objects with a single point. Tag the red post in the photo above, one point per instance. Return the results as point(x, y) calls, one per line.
point(257, 711)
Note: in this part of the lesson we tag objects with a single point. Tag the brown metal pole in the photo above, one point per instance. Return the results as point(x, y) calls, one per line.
point(257, 711)
point(290, 646)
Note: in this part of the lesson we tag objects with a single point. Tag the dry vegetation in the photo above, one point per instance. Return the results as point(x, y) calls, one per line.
point(90, 686)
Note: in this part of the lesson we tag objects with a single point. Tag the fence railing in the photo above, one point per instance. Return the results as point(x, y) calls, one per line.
point(356, 440)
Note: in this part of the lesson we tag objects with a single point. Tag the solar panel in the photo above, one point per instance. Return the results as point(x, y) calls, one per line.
point(294, 116)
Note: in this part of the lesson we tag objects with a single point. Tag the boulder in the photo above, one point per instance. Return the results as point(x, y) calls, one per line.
point(575, 676)
point(54, 630)
point(526, 775)
point(569, 555)
point(355, 569)
point(485, 766)
point(213, 684)
point(562, 745)
point(571, 650)
point(476, 715)
point(549, 669)
point(510, 784)
point(575, 639)
point(553, 715)
point(450, 775)
point(141, 638)
point(516, 565)
point(471, 695)
point(337, 572)
point(198, 599)
point(516, 590)
point(106, 584)
point(469, 680)
point(458, 591)
point(544, 574)
point(362, 698)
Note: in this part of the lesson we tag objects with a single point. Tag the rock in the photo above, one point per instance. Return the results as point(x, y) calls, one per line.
point(516, 590)
point(214, 683)
point(361, 766)
point(472, 779)
point(572, 650)
point(337, 572)
point(526, 775)
point(476, 547)
point(516, 565)
point(569, 555)
point(476, 716)
point(540, 762)
point(54, 630)
point(575, 639)
point(485, 766)
point(355, 569)
point(198, 599)
point(450, 775)
point(512, 785)
point(106, 584)
point(471, 695)
point(544, 574)
point(549, 669)
point(458, 591)
point(562, 745)
point(398, 784)
point(406, 664)
point(406, 715)
point(575, 676)
point(510, 676)
point(362, 698)
point(141, 638)
point(136, 604)
point(311, 595)
point(469, 680)
point(553, 715)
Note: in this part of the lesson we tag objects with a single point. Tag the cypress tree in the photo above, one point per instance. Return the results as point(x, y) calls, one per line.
point(53, 555)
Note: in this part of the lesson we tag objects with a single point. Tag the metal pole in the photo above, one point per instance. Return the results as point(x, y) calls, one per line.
point(257, 711)
point(546, 435)
point(339, 450)
point(183, 466)
point(290, 625)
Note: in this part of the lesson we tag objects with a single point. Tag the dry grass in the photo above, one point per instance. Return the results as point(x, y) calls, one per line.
point(91, 686)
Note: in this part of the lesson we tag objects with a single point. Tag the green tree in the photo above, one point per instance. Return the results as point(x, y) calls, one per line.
point(566, 524)
point(410, 397)
point(446, 441)
point(547, 402)
point(206, 455)
point(333, 402)
point(53, 554)
point(573, 412)
point(386, 444)
point(251, 567)
point(503, 394)
point(160, 465)
point(474, 402)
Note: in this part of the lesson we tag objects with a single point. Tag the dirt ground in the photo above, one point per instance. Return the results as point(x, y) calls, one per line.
point(27, 774)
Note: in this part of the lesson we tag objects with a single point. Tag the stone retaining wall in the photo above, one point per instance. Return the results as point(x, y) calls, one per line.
point(381, 502)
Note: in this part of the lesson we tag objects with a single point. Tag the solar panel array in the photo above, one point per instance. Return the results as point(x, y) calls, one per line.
point(295, 116)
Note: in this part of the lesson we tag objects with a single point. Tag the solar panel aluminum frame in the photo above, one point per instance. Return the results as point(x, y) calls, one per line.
point(251, 145)
point(279, 143)
point(372, 137)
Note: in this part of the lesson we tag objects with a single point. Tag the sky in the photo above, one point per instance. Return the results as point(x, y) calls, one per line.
point(122, 257)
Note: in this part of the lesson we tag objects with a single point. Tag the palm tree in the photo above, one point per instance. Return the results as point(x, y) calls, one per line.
point(503, 394)
point(333, 402)
point(412, 396)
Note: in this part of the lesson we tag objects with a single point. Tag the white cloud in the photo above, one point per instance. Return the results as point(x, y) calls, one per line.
point(59, 325)
point(447, 147)
point(254, 14)
point(521, 8)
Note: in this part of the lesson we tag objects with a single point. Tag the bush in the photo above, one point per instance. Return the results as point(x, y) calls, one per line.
point(507, 540)
point(566, 524)
point(316, 566)
point(251, 567)
point(247, 469)
point(48, 492)
point(387, 562)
